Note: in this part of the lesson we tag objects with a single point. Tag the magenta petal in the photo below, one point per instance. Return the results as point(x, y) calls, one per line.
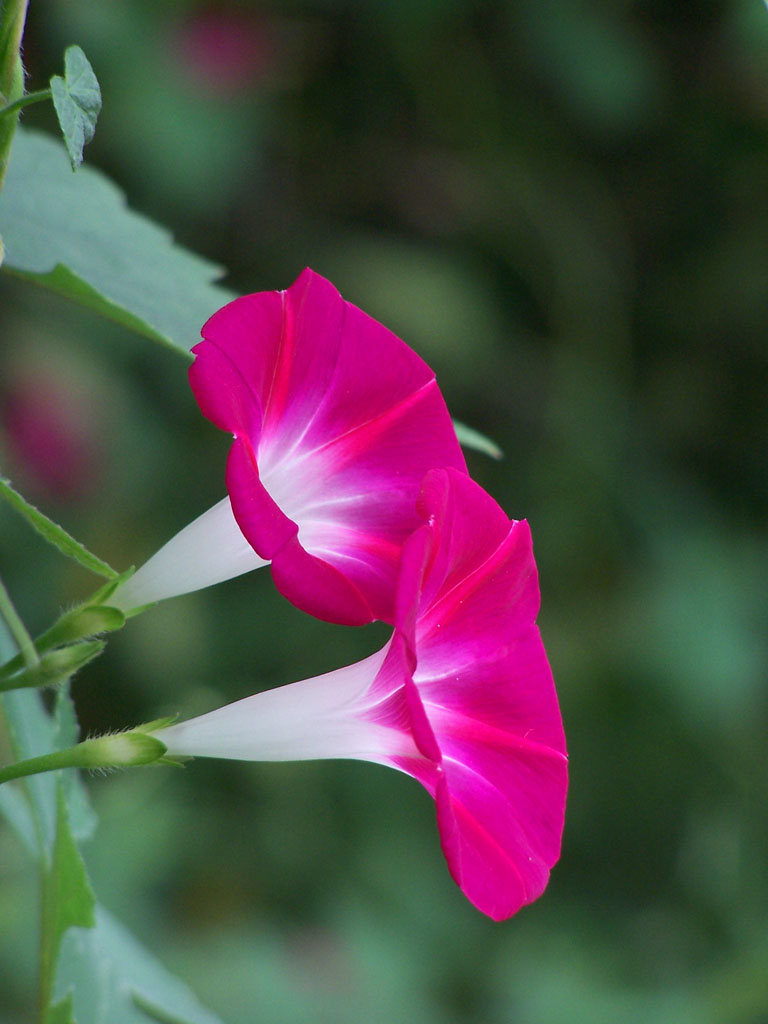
point(327, 593)
point(336, 422)
point(467, 603)
point(505, 775)
point(468, 527)
point(257, 316)
point(346, 474)
point(394, 701)
point(222, 392)
point(264, 526)
point(501, 831)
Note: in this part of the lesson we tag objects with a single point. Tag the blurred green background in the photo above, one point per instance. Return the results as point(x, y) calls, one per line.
point(561, 204)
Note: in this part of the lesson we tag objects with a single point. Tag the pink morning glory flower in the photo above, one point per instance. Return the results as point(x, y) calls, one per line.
point(461, 698)
point(335, 422)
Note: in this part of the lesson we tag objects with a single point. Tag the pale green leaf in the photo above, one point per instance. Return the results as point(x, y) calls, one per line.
point(75, 235)
point(17, 812)
point(16, 801)
point(110, 978)
point(68, 900)
point(54, 533)
point(61, 1013)
point(77, 99)
point(101, 974)
point(471, 438)
point(33, 731)
point(82, 817)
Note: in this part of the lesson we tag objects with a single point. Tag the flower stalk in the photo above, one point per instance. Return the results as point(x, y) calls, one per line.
point(119, 750)
point(28, 655)
point(26, 101)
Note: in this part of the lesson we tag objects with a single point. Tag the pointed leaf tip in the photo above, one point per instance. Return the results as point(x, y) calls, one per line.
point(471, 438)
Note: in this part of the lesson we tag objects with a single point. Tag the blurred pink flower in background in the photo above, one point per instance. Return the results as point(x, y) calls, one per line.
point(335, 422)
point(51, 430)
point(461, 698)
point(224, 49)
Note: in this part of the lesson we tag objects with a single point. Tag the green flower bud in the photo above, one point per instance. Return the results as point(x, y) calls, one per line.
point(53, 668)
point(118, 750)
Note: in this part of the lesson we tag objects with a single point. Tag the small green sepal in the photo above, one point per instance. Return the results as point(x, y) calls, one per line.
point(157, 724)
point(85, 620)
point(175, 760)
point(54, 667)
point(121, 750)
point(104, 592)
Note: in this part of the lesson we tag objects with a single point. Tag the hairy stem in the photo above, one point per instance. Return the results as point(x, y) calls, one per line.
point(25, 101)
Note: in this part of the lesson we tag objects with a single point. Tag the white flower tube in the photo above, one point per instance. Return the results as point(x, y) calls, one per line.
point(332, 715)
point(210, 550)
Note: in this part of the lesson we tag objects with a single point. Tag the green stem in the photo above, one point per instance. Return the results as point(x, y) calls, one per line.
point(27, 100)
point(13, 14)
point(18, 631)
point(69, 758)
point(50, 898)
point(120, 750)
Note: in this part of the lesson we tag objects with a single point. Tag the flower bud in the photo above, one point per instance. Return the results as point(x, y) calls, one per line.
point(54, 667)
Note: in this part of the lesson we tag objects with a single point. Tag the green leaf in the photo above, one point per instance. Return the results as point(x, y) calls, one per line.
point(61, 1013)
point(101, 974)
point(471, 438)
point(68, 899)
point(82, 817)
point(77, 99)
point(110, 978)
point(74, 234)
point(32, 732)
point(16, 811)
point(55, 534)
